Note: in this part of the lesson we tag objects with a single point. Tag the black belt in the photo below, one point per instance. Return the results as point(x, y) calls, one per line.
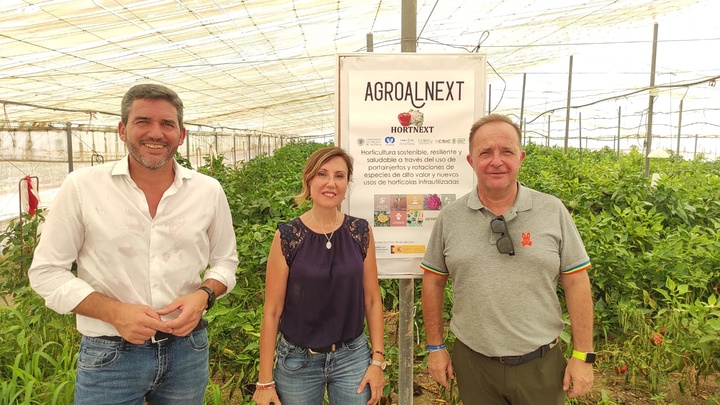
point(516, 360)
point(159, 336)
point(324, 349)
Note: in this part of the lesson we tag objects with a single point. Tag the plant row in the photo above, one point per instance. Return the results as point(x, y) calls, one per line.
point(654, 245)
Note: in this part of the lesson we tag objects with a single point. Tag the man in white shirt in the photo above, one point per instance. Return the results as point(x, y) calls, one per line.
point(154, 245)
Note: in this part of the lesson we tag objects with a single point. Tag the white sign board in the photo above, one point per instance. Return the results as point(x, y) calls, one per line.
point(405, 120)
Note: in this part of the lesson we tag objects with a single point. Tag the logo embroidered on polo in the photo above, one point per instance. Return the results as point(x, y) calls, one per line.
point(526, 239)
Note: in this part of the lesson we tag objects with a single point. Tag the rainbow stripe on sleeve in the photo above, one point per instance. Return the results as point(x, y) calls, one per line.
point(433, 270)
point(580, 267)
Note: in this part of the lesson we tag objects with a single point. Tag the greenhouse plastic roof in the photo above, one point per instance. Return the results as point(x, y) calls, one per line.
point(270, 65)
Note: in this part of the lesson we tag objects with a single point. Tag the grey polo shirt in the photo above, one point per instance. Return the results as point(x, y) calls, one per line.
point(506, 305)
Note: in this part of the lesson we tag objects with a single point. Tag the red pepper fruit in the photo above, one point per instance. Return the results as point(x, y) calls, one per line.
point(404, 119)
point(656, 339)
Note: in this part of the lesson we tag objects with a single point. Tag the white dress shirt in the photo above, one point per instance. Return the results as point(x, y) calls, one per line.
point(100, 218)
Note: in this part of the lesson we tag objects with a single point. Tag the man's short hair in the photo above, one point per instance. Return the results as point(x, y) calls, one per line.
point(152, 92)
point(494, 117)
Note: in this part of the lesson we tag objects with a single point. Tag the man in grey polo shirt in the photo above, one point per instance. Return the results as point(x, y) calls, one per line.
point(506, 247)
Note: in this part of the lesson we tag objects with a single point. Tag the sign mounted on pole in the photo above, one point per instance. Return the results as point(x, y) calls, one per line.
point(405, 120)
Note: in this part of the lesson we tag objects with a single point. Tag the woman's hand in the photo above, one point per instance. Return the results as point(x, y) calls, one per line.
point(373, 376)
point(266, 396)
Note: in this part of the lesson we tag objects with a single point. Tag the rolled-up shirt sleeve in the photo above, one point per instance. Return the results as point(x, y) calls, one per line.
point(223, 245)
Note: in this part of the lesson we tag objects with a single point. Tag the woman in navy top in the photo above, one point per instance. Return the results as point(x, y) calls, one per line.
point(321, 286)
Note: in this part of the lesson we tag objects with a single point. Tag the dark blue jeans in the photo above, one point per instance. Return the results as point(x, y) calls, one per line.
point(301, 376)
point(170, 372)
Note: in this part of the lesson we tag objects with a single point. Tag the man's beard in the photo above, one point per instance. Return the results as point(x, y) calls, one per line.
point(134, 151)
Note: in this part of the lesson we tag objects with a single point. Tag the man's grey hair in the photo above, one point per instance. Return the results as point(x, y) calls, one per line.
point(494, 117)
point(153, 92)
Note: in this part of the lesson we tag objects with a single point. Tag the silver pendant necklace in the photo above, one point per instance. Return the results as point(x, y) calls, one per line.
point(328, 245)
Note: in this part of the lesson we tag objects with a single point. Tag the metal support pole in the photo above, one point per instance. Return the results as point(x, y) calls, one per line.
point(651, 99)
point(580, 131)
point(677, 149)
point(567, 108)
point(489, 98)
point(68, 132)
point(547, 140)
point(405, 341)
point(522, 103)
point(248, 144)
point(407, 286)
point(618, 135)
point(234, 151)
point(408, 26)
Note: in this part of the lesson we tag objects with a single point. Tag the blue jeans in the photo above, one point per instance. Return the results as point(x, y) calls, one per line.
point(301, 377)
point(170, 372)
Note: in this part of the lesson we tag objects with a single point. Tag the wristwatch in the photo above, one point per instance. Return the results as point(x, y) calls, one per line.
point(381, 364)
point(587, 357)
point(211, 296)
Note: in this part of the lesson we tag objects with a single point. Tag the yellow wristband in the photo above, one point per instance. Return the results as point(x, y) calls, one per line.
point(587, 357)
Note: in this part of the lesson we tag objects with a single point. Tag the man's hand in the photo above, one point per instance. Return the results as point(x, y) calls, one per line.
point(191, 308)
point(578, 378)
point(440, 367)
point(137, 323)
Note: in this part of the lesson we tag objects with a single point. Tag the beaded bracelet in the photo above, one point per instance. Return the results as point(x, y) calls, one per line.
point(435, 348)
point(379, 352)
point(264, 386)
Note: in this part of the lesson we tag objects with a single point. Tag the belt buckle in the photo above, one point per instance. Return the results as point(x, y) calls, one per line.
point(156, 341)
point(511, 360)
point(332, 348)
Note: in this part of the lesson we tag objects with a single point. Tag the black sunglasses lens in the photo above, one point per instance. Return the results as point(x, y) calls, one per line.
point(498, 225)
point(505, 246)
point(504, 243)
